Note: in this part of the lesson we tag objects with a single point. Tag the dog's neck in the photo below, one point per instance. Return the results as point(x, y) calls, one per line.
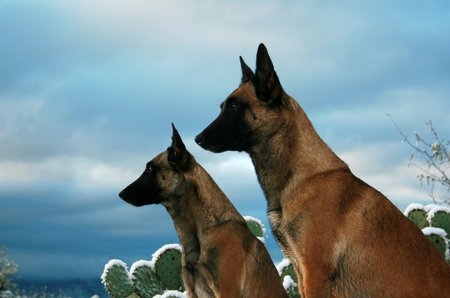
point(202, 206)
point(213, 208)
point(294, 148)
point(185, 227)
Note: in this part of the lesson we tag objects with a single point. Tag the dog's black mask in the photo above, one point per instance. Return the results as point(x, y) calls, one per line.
point(229, 132)
point(143, 191)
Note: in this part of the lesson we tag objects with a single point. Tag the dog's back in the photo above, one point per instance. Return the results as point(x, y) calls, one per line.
point(372, 249)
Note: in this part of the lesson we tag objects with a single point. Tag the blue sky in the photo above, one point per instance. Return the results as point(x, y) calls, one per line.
point(88, 91)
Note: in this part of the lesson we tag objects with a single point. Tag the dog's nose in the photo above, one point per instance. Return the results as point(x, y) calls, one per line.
point(121, 194)
point(199, 139)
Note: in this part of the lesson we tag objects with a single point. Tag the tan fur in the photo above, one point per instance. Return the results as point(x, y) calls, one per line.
point(344, 238)
point(221, 257)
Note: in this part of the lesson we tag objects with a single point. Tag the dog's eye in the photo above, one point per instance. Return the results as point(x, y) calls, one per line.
point(149, 169)
point(234, 106)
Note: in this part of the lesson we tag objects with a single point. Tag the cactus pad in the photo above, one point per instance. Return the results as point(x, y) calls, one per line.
point(117, 280)
point(289, 270)
point(437, 236)
point(146, 282)
point(256, 227)
point(419, 218)
point(291, 287)
point(168, 268)
point(439, 217)
point(439, 242)
point(288, 277)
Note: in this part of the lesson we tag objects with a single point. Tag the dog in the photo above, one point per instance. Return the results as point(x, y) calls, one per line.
point(220, 257)
point(344, 238)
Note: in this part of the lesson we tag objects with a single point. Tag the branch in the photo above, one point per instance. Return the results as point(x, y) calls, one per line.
point(438, 152)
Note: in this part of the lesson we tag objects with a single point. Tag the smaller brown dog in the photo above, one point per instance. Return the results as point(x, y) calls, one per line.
point(221, 257)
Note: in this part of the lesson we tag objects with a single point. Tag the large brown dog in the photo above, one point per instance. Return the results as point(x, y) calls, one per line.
point(344, 238)
point(221, 257)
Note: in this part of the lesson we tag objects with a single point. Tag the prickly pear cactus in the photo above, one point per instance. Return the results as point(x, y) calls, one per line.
point(437, 236)
point(161, 277)
point(436, 225)
point(417, 214)
point(256, 227)
point(439, 242)
point(168, 268)
point(146, 279)
point(117, 280)
point(291, 287)
point(285, 268)
point(439, 217)
point(146, 282)
point(289, 278)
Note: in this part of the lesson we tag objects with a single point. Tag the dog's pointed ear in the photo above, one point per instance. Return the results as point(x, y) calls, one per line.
point(178, 156)
point(247, 73)
point(267, 84)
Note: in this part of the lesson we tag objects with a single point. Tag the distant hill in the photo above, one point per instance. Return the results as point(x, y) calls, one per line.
point(71, 288)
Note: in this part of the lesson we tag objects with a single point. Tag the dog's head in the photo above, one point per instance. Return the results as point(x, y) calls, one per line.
point(163, 177)
point(246, 112)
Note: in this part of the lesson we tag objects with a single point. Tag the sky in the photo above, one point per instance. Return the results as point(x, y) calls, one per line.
point(89, 89)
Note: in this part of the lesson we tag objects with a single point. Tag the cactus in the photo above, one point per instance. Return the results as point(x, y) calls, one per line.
point(437, 236)
point(417, 214)
point(289, 277)
point(439, 217)
point(168, 267)
point(288, 270)
point(117, 280)
point(146, 282)
point(439, 243)
point(146, 279)
point(434, 222)
point(161, 277)
point(256, 227)
point(291, 287)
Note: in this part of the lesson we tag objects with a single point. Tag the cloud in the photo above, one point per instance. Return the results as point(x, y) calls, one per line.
point(385, 167)
point(88, 92)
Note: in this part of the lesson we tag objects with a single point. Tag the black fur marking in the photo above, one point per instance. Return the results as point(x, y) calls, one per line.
point(333, 277)
point(214, 259)
point(247, 73)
